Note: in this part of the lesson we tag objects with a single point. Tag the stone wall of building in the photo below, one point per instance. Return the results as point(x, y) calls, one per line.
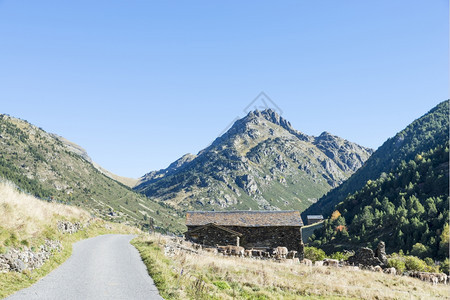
point(211, 236)
point(252, 237)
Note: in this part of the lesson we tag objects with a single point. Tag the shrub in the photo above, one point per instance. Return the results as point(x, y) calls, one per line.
point(49, 233)
point(341, 256)
point(13, 238)
point(415, 264)
point(222, 285)
point(444, 267)
point(397, 263)
point(411, 263)
point(429, 261)
point(314, 254)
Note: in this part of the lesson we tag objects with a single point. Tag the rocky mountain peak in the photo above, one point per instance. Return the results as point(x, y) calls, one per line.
point(261, 162)
point(268, 115)
point(260, 125)
point(325, 135)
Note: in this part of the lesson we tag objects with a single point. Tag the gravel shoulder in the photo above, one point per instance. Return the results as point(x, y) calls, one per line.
point(104, 267)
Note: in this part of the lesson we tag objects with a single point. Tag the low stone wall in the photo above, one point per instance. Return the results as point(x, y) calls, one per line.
point(68, 227)
point(26, 259)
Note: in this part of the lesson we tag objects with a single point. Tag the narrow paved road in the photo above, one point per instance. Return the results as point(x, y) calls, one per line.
point(104, 267)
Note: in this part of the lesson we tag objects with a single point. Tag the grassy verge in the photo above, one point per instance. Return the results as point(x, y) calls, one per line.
point(12, 282)
point(207, 276)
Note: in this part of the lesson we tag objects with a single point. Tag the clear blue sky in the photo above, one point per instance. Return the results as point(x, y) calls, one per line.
point(140, 83)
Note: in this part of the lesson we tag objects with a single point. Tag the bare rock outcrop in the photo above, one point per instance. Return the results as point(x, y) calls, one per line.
point(381, 253)
point(366, 257)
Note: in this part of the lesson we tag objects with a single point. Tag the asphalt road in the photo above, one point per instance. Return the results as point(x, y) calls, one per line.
point(104, 267)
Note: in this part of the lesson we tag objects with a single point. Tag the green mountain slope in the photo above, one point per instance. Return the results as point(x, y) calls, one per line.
point(407, 208)
point(425, 133)
point(41, 164)
point(130, 182)
point(260, 163)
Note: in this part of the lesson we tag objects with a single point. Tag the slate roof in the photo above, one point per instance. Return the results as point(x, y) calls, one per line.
point(244, 218)
point(314, 217)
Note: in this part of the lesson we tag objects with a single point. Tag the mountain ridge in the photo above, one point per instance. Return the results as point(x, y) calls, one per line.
point(77, 149)
point(260, 151)
point(423, 134)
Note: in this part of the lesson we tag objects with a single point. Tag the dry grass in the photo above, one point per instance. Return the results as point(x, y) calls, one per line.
point(27, 217)
point(208, 276)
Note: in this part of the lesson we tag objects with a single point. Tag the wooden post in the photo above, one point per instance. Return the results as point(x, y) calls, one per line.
point(237, 241)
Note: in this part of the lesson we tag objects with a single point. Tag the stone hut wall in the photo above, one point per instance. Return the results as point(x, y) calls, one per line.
point(211, 236)
point(252, 237)
point(314, 221)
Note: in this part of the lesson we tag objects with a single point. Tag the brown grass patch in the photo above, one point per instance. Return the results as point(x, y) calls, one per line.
point(179, 277)
point(28, 217)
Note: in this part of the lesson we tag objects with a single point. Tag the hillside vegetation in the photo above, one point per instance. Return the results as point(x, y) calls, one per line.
point(407, 208)
point(27, 221)
point(261, 162)
point(422, 135)
point(41, 164)
point(208, 276)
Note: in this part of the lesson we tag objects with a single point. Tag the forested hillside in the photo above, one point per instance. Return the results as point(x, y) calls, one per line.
point(425, 133)
point(407, 208)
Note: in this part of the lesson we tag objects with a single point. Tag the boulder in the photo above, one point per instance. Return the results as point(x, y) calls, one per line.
point(365, 256)
point(18, 265)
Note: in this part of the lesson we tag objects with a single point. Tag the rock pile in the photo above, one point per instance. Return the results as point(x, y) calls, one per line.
point(176, 246)
point(26, 259)
point(68, 227)
point(365, 256)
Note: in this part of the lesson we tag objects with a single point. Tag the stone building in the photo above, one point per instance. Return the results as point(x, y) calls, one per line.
point(249, 229)
point(314, 219)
